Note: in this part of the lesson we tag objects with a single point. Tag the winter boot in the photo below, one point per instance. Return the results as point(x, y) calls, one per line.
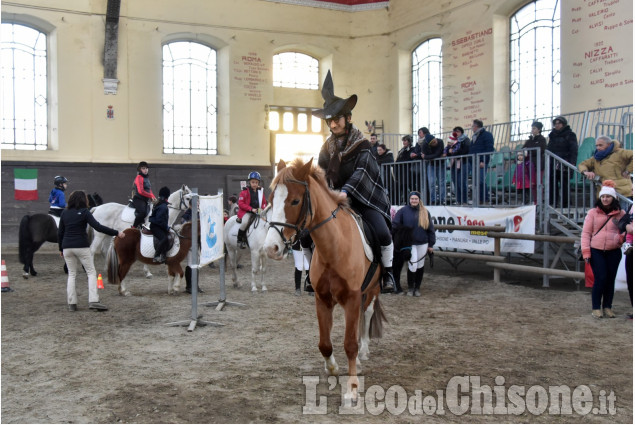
point(298, 278)
point(418, 280)
point(411, 283)
point(387, 279)
point(188, 281)
point(307, 284)
point(242, 239)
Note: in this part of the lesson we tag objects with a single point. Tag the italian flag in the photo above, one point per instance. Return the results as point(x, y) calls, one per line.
point(25, 184)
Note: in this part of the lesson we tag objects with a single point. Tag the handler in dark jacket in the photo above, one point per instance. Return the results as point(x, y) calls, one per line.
point(159, 225)
point(564, 144)
point(350, 167)
point(75, 248)
point(416, 217)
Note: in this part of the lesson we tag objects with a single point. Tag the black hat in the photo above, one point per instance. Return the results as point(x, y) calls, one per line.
point(560, 118)
point(333, 105)
point(164, 192)
point(142, 164)
point(537, 124)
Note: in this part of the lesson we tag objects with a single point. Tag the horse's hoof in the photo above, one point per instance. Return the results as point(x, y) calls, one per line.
point(254, 289)
point(350, 399)
point(264, 289)
point(236, 286)
point(127, 294)
point(33, 273)
point(148, 275)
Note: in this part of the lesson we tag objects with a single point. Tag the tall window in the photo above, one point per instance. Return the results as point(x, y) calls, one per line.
point(427, 93)
point(295, 70)
point(189, 99)
point(24, 88)
point(535, 61)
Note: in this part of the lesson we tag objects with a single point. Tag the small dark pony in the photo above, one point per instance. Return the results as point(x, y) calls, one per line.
point(124, 252)
point(39, 228)
point(302, 203)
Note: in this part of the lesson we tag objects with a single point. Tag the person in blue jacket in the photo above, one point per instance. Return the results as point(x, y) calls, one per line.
point(482, 145)
point(57, 199)
point(415, 216)
point(159, 225)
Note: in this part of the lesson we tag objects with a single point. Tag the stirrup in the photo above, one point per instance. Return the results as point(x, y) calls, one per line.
point(388, 282)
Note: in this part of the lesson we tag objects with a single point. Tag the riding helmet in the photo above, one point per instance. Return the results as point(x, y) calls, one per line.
point(254, 175)
point(142, 164)
point(59, 180)
point(164, 192)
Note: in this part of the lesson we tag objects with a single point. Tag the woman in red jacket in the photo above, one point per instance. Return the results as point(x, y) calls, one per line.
point(601, 247)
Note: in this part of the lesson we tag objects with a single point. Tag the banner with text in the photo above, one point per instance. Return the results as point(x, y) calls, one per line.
point(211, 219)
point(515, 220)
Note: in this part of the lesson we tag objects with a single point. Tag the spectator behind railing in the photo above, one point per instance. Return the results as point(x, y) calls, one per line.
point(458, 144)
point(482, 143)
point(408, 178)
point(536, 140)
point(428, 149)
point(563, 142)
point(524, 177)
point(610, 162)
point(385, 156)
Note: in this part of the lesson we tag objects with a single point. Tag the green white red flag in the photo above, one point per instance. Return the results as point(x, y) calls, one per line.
point(25, 184)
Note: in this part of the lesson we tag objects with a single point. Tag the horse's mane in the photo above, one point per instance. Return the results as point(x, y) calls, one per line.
point(288, 173)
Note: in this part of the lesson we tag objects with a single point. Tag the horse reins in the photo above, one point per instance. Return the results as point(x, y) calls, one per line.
point(300, 229)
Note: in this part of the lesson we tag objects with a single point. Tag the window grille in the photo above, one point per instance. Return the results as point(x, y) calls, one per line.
point(295, 70)
point(427, 83)
point(190, 115)
point(24, 88)
point(534, 49)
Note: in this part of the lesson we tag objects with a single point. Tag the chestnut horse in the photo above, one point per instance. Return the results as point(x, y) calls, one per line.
point(303, 203)
point(125, 251)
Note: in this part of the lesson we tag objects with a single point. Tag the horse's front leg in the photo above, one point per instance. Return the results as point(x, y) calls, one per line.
point(325, 323)
point(231, 253)
point(351, 313)
point(122, 289)
point(255, 266)
point(263, 268)
point(174, 280)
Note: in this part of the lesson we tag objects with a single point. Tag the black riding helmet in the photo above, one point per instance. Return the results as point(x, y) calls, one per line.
point(164, 192)
point(59, 181)
point(142, 164)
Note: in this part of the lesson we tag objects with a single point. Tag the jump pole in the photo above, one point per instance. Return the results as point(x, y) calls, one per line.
point(195, 319)
point(222, 301)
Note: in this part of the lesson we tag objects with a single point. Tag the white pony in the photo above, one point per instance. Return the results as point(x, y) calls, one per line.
point(256, 234)
point(121, 217)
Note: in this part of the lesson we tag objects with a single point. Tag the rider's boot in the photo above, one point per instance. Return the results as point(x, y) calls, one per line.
point(242, 239)
point(387, 279)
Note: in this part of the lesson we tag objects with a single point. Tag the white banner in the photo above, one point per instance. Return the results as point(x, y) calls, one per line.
point(211, 219)
point(515, 220)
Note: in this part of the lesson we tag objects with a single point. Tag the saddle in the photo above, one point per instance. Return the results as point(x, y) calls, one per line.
point(148, 243)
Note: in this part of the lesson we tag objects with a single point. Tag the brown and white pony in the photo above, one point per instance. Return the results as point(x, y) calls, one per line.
point(125, 251)
point(302, 202)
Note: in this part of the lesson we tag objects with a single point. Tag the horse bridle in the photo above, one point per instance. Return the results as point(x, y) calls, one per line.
point(300, 228)
point(182, 203)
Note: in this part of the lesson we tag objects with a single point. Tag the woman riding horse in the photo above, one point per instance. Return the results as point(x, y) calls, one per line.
point(350, 167)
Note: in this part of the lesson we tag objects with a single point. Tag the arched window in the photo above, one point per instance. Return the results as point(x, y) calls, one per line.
point(427, 92)
point(189, 99)
point(295, 70)
point(24, 88)
point(534, 48)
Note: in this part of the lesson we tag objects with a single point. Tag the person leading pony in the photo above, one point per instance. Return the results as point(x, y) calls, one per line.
point(351, 168)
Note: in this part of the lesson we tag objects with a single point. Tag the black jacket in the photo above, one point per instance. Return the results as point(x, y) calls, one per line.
point(72, 230)
point(159, 216)
point(564, 144)
point(538, 141)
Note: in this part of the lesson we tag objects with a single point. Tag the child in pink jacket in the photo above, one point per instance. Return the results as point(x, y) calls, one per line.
point(601, 247)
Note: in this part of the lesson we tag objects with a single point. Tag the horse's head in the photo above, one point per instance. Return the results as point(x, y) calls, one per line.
point(181, 199)
point(290, 205)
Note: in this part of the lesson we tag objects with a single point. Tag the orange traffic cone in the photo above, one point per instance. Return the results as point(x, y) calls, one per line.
point(100, 282)
point(5, 279)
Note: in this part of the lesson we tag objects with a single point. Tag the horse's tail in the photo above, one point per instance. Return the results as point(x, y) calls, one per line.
point(376, 329)
point(24, 241)
point(113, 265)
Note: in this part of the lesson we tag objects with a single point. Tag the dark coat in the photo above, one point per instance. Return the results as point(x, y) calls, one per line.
point(483, 143)
point(386, 158)
point(159, 216)
point(355, 170)
point(72, 228)
point(430, 152)
point(564, 144)
point(538, 141)
point(408, 216)
point(404, 154)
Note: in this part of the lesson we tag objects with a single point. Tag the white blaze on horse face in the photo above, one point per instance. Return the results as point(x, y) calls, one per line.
point(274, 246)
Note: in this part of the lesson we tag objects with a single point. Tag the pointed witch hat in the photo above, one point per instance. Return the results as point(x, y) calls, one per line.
point(333, 105)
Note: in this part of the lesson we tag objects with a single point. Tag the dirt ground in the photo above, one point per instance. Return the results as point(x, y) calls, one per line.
point(126, 366)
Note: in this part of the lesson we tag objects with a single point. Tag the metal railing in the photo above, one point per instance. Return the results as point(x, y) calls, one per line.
point(616, 122)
